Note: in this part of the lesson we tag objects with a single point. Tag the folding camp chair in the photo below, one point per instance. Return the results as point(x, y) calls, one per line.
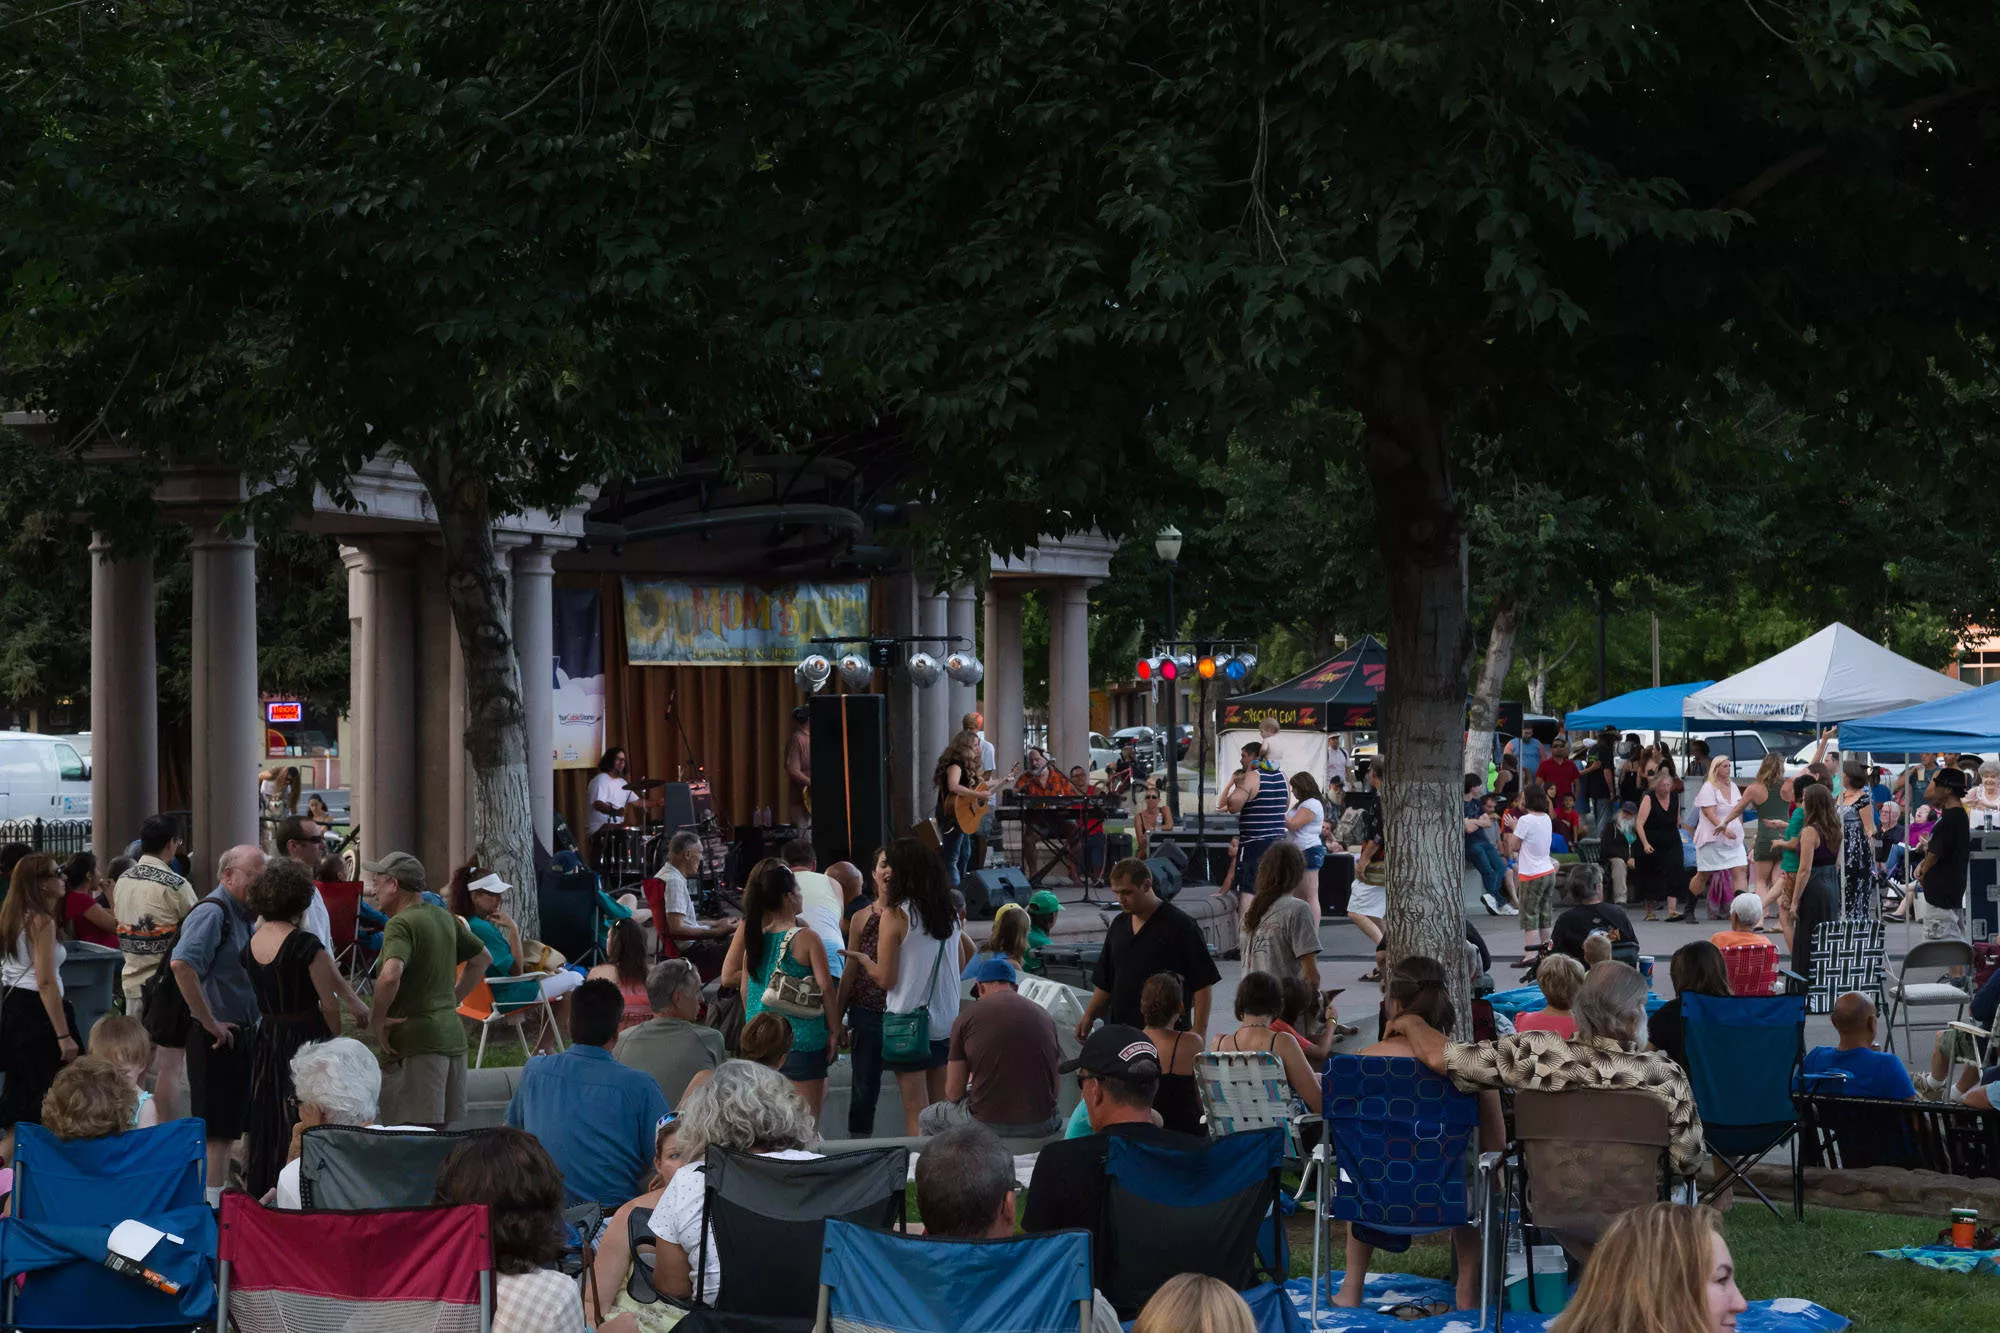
point(416, 1268)
point(1752, 968)
point(1246, 1090)
point(1169, 1211)
point(66, 1194)
point(655, 891)
point(500, 1000)
point(1847, 955)
point(343, 910)
point(569, 914)
point(1906, 994)
point(872, 1280)
point(767, 1218)
point(1585, 1157)
point(349, 1168)
point(1406, 1161)
point(1743, 1055)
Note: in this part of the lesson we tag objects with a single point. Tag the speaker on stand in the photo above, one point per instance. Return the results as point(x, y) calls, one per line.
point(850, 778)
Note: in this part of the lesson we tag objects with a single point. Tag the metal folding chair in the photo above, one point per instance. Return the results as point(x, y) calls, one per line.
point(423, 1268)
point(1906, 994)
point(500, 999)
point(1743, 1059)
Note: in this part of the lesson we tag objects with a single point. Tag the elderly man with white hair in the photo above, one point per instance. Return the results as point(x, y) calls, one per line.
point(1608, 1053)
point(1746, 914)
point(339, 1082)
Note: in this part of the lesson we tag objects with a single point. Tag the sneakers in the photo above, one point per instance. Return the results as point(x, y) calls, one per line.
point(1508, 909)
point(1492, 904)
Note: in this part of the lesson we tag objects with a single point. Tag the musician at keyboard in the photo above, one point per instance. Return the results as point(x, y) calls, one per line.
point(1044, 779)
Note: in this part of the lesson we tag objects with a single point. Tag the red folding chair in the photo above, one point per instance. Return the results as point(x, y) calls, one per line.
point(1752, 968)
point(655, 890)
point(296, 1272)
point(343, 908)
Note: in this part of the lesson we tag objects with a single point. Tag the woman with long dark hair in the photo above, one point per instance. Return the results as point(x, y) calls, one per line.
point(37, 1025)
point(956, 775)
point(1858, 893)
point(770, 943)
point(479, 898)
point(862, 1003)
point(919, 935)
point(625, 966)
point(1816, 897)
point(84, 911)
point(1280, 932)
point(1697, 969)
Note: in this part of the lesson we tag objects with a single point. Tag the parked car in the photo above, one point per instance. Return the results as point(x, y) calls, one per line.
point(42, 777)
point(1145, 742)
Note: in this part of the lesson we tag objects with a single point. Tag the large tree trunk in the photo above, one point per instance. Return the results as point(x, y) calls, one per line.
point(1422, 706)
point(500, 822)
point(1500, 640)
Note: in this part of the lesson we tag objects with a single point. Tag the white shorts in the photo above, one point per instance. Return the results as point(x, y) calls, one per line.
point(1720, 855)
point(561, 984)
point(1368, 900)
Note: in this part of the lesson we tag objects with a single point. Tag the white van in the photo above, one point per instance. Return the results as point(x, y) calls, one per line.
point(42, 777)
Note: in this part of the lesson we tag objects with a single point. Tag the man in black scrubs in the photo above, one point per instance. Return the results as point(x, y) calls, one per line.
point(1149, 937)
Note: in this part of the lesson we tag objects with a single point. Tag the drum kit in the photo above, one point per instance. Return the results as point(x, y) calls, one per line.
point(627, 854)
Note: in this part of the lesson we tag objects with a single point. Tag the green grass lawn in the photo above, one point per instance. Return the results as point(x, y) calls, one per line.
point(1823, 1259)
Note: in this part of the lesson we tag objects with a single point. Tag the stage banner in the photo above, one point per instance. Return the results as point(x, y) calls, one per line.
point(670, 623)
point(579, 668)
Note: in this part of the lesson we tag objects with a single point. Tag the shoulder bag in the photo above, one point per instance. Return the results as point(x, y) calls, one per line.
point(167, 1018)
point(794, 997)
point(907, 1037)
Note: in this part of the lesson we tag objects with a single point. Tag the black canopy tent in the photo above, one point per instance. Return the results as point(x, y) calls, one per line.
point(1337, 695)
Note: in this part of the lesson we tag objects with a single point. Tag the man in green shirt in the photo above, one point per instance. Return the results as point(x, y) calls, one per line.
point(418, 987)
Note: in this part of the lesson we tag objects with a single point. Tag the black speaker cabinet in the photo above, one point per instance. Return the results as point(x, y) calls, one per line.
point(676, 807)
point(987, 891)
point(1166, 876)
point(850, 778)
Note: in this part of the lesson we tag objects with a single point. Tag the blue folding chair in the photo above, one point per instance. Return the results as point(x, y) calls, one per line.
point(1406, 1161)
point(1169, 1211)
point(872, 1280)
point(68, 1197)
point(1743, 1059)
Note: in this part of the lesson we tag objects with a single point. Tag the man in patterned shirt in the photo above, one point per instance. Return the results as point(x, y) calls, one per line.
point(1605, 1055)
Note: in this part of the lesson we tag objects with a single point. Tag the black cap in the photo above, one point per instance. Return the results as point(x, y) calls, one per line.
point(1952, 780)
point(1116, 1051)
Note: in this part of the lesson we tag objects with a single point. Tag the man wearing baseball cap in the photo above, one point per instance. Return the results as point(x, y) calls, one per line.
point(1118, 1071)
point(1043, 909)
point(1001, 1070)
point(1947, 854)
point(418, 988)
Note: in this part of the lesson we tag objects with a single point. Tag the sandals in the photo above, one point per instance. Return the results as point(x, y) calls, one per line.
point(1408, 1310)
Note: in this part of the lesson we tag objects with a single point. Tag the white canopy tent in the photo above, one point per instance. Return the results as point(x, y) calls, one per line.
point(1835, 675)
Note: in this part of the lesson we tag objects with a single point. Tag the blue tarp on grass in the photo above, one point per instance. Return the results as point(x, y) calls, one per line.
point(1785, 1315)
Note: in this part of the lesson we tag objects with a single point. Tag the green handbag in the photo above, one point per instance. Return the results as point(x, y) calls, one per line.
point(907, 1037)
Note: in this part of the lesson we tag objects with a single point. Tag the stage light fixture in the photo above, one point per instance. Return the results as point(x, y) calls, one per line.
point(1168, 669)
point(1248, 657)
point(813, 673)
point(1205, 668)
point(924, 670)
point(1185, 661)
point(856, 672)
point(1233, 667)
point(964, 668)
point(1144, 671)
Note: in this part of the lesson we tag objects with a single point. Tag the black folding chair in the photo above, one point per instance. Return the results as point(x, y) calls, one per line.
point(350, 1169)
point(569, 913)
point(1169, 1212)
point(768, 1220)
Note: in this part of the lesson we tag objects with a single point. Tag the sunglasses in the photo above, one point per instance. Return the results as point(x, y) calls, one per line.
point(665, 1120)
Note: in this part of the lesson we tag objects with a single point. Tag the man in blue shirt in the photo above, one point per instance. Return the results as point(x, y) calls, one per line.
point(596, 1117)
point(1869, 1072)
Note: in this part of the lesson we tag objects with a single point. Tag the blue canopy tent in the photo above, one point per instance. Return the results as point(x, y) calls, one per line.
point(1657, 709)
point(1961, 723)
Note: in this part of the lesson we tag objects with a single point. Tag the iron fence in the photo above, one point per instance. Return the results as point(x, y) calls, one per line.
point(58, 837)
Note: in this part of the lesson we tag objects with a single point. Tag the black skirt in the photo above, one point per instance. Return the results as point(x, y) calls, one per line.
point(30, 1055)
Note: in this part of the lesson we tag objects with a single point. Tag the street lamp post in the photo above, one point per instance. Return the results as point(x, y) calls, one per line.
point(1168, 547)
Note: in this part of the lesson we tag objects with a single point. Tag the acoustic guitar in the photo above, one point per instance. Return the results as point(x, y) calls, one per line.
point(971, 811)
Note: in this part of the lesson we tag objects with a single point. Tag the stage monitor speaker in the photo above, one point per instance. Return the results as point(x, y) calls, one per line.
point(987, 891)
point(676, 807)
point(1166, 876)
point(1171, 851)
point(850, 778)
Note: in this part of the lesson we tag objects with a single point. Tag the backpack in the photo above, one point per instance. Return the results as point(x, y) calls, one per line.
point(1353, 823)
point(167, 1018)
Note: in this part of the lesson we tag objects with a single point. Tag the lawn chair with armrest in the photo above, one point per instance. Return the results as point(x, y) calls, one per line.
point(1744, 1055)
point(1168, 1211)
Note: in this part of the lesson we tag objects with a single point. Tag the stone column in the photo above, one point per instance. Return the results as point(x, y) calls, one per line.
point(352, 764)
point(1069, 673)
point(228, 717)
point(124, 698)
point(534, 648)
point(936, 722)
point(1004, 720)
point(388, 727)
point(961, 621)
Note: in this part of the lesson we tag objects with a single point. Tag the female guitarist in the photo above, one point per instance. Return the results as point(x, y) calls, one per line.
point(957, 769)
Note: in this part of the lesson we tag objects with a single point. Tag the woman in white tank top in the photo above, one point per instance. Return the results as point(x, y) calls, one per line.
point(37, 1026)
point(914, 970)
